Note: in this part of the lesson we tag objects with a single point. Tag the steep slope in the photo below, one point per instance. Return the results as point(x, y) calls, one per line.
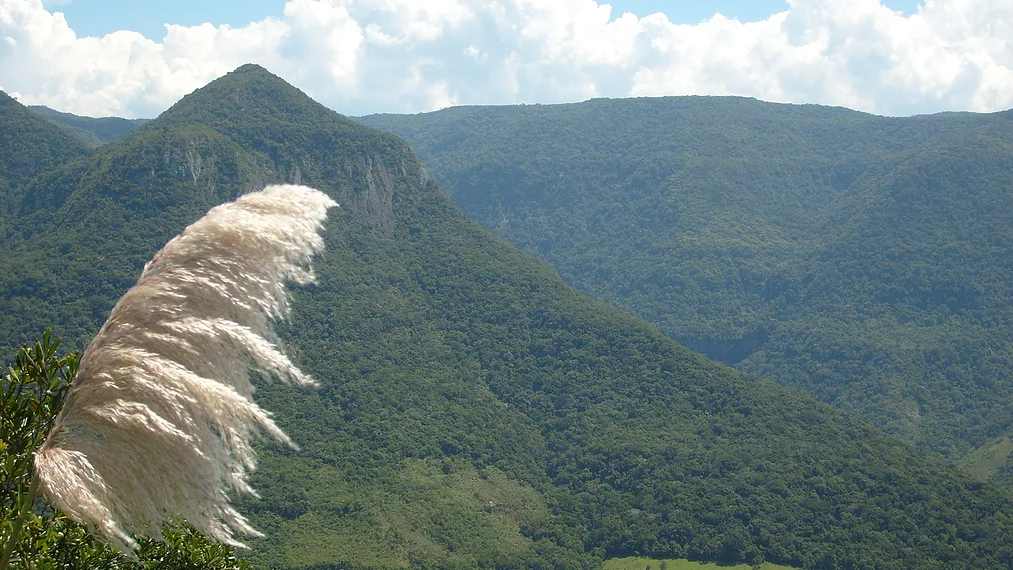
point(865, 259)
point(91, 131)
point(475, 412)
point(28, 146)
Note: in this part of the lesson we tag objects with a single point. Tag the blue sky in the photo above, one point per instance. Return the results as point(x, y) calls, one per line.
point(98, 17)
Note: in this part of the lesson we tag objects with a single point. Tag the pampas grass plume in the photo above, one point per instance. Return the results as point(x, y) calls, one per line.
point(159, 421)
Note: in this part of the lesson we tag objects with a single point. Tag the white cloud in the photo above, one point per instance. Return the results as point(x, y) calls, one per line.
point(361, 56)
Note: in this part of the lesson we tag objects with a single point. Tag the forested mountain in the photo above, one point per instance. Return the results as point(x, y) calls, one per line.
point(28, 146)
point(868, 260)
point(475, 411)
point(92, 131)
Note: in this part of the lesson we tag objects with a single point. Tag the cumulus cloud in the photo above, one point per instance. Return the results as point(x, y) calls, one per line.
point(362, 56)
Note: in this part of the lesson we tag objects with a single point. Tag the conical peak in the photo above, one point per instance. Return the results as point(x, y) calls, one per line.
point(250, 92)
point(252, 68)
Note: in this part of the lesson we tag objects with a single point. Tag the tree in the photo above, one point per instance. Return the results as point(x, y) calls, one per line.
point(32, 534)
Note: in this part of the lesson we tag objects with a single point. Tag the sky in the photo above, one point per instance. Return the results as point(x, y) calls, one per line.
point(891, 57)
point(98, 17)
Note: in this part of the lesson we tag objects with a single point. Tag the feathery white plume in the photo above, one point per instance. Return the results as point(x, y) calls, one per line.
point(159, 421)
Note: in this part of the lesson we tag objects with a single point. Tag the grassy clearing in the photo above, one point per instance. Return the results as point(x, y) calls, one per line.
point(986, 462)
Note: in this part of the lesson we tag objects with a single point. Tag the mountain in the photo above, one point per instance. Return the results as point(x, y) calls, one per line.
point(867, 260)
point(91, 131)
point(28, 146)
point(475, 411)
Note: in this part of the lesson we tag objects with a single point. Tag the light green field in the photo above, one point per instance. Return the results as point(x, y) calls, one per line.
point(633, 563)
point(985, 462)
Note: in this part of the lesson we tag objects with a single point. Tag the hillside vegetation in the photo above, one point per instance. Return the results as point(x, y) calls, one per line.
point(868, 260)
point(475, 411)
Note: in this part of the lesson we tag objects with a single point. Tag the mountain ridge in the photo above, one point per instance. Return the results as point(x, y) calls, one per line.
point(91, 131)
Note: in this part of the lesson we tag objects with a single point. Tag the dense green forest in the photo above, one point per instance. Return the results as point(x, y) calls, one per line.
point(92, 131)
point(474, 410)
point(868, 260)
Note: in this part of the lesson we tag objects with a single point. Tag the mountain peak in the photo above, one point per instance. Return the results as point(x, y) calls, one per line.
point(250, 92)
point(251, 68)
point(252, 71)
point(296, 139)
